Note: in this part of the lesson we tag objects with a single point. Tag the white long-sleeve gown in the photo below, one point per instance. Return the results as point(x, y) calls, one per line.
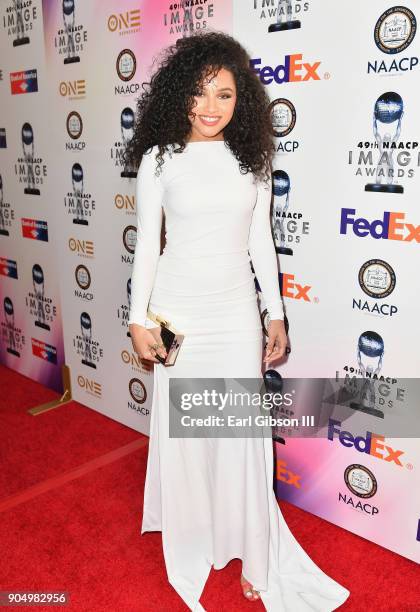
point(213, 498)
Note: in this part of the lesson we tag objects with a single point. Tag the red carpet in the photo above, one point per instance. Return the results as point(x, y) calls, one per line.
point(71, 486)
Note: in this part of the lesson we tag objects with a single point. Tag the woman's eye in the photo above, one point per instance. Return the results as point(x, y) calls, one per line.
point(225, 96)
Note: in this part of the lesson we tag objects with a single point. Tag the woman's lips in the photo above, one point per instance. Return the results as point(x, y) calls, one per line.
point(208, 120)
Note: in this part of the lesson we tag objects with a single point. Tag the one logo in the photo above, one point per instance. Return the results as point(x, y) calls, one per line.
point(372, 443)
point(137, 363)
point(83, 248)
point(126, 203)
point(124, 22)
point(390, 227)
point(395, 29)
point(360, 480)
point(73, 90)
point(377, 278)
point(89, 385)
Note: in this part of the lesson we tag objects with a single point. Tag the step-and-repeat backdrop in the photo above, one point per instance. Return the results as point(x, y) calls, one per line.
point(342, 81)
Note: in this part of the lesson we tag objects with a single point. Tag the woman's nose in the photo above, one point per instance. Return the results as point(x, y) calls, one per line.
point(211, 104)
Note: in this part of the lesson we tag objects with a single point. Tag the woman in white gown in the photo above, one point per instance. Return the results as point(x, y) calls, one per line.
point(202, 141)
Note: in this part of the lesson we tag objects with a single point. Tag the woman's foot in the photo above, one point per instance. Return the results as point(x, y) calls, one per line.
point(248, 590)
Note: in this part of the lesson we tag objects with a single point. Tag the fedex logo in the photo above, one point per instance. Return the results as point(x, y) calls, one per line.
point(372, 444)
point(292, 70)
point(290, 288)
point(286, 475)
point(390, 227)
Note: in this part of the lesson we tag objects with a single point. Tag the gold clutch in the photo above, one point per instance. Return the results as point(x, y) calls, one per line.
point(171, 337)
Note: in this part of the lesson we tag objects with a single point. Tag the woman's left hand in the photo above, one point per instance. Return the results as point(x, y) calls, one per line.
point(277, 340)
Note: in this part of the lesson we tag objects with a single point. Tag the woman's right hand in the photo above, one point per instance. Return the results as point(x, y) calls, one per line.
point(143, 340)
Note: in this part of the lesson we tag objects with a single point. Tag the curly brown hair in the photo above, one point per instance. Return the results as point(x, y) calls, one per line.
point(166, 101)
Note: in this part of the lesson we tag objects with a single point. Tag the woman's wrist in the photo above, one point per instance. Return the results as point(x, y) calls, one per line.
point(142, 324)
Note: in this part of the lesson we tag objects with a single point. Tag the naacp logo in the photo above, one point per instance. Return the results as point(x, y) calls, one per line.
point(283, 116)
point(83, 277)
point(126, 65)
point(360, 481)
point(84, 282)
point(130, 238)
point(74, 125)
point(377, 278)
point(137, 390)
point(395, 29)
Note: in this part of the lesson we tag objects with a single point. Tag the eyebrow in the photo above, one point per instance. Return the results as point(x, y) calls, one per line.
point(226, 89)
